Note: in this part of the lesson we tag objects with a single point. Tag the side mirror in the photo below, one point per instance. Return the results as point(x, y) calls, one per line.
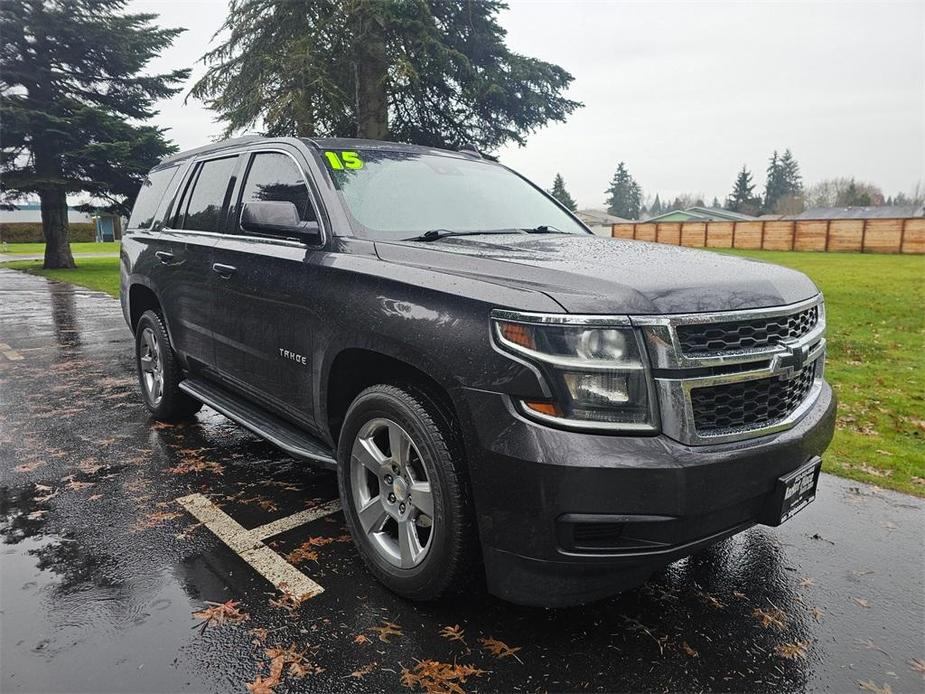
point(278, 218)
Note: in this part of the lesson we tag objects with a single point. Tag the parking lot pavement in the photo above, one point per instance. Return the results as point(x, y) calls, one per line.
point(103, 569)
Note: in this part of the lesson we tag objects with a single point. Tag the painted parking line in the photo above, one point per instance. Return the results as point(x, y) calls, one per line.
point(9, 353)
point(248, 544)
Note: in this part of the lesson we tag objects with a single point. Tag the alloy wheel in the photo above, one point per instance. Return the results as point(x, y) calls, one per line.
point(152, 369)
point(392, 493)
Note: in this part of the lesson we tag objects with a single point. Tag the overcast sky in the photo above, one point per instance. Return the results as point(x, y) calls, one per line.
point(686, 92)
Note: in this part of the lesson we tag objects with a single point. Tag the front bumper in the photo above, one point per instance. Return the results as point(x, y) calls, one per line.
point(567, 517)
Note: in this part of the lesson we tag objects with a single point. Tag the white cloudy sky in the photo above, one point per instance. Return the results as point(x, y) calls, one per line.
point(686, 92)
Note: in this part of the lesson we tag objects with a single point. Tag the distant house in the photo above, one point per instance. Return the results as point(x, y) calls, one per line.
point(31, 211)
point(699, 214)
point(599, 221)
point(879, 212)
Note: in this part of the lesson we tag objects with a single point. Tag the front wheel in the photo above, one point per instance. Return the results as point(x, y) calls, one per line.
point(404, 492)
point(159, 373)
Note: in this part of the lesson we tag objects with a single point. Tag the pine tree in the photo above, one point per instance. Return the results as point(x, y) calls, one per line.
point(784, 186)
point(656, 208)
point(429, 72)
point(624, 196)
point(793, 181)
point(72, 88)
point(742, 199)
point(715, 204)
point(561, 194)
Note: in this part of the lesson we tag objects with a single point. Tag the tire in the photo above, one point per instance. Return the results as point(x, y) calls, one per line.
point(444, 526)
point(159, 372)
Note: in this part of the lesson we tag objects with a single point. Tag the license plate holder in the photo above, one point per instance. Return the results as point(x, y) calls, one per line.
point(792, 493)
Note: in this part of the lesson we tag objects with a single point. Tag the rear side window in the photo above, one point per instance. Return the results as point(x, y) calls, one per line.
point(275, 177)
point(203, 209)
point(149, 198)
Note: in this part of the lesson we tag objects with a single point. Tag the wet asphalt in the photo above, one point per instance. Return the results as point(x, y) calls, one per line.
point(102, 570)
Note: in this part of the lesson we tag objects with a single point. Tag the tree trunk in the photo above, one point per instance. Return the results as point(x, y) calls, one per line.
point(372, 75)
point(55, 229)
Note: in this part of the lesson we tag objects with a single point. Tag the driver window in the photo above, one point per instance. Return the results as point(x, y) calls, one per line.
point(274, 177)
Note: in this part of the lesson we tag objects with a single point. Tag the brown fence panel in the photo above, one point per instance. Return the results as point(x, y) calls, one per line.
point(846, 235)
point(810, 235)
point(883, 235)
point(778, 236)
point(914, 236)
point(646, 232)
point(748, 235)
point(719, 234)
point(622, 231)
point(669, 233)
point(694, 234)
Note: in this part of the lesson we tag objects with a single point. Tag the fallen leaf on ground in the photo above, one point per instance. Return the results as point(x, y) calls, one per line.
point(792, 651)
point(499, 649)
point(712, 601)
point(155, 519)
point(288, 601)
point(363, 671)
point(870, 686)
point(806, 582)
point(816, 613)
point(361, 639)
point(871, 646)
point(260, 635)
point(453, 633)
point(438, 678)
point(770, 618)
point(299, 666)
point(29, 467)
point(76, 485)
point(94, 497)
point(194, 464)
point(221, 612)
point(301, 554)
point(262, 685)
point(387, 630)
point(861, 602)
point(918, 665)
point(690, 651)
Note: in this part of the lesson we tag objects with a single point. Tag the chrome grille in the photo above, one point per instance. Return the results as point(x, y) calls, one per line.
point(734, 375)
point(750, 404)
point(745, 335)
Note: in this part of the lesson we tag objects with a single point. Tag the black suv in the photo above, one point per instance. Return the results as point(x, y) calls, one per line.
point(497, 388)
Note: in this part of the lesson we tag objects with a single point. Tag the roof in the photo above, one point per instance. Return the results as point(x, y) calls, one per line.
point(598, 217)
point(319, 143)
point(878, 212)
point(700, 214)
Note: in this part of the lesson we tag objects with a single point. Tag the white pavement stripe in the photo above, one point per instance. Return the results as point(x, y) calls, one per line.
point(278, 527)
point(10, 354)
point(283, 575)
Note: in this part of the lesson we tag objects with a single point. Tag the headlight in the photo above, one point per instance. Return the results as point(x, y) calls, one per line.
point(596, 371)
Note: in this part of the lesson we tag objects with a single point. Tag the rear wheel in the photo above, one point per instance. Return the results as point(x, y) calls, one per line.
point(404, 493)
point(159, 373)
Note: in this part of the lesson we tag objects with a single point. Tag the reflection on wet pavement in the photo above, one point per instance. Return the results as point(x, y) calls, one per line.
point(102, 570)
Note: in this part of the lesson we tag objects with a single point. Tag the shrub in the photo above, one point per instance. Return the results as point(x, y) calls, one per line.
point(31, 232)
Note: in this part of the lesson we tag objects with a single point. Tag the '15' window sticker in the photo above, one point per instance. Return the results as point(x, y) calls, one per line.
point(344, 160)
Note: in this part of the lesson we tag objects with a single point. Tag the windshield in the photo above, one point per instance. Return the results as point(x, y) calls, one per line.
point(394, 195)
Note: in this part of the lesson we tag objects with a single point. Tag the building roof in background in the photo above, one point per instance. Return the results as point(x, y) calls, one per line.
point(700, 214)
point(598, 217)
point(880, 212)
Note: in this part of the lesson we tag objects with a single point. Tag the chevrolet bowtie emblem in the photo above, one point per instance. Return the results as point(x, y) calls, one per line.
point(790, 362)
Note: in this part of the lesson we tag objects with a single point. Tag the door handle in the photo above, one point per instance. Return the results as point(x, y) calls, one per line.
point(165, 257)
point(224, 271)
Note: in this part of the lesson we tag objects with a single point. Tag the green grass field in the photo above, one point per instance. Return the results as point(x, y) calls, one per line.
point(876, 360)
point(37, 248)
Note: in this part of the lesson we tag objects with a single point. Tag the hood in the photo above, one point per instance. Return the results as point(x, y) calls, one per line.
point(589, 274)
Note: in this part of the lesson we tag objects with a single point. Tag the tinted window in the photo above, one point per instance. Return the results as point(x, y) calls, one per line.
point(399, 194)
point(204, 209)
point(275, 177)
point(149, 197)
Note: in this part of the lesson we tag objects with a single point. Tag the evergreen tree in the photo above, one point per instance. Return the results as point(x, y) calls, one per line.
point(561, 194)
point(624, 196)
point(774, 183)
point(72, 86)
point(793, 181)
point(715, 204)
point(742, 199)
point(784, 186)
point(656, 208)
point(430, 72)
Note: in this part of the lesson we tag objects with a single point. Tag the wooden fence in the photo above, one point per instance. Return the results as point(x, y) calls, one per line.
point(844, 235)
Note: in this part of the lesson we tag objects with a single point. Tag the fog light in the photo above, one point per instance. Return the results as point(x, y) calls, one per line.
point(598, 388)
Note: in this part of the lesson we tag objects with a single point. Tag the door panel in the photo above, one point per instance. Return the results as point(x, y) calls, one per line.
point(265, 316)
point(184, 259)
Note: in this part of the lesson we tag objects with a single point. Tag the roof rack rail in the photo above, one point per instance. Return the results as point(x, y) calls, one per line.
point(472, 148)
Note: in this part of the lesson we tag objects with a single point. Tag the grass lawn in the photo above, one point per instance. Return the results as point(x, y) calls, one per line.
point(875, 306)
point(95, 273)
point(37, 248)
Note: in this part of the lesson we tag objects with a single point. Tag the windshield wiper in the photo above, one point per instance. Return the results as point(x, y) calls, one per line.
point(435, 234)
point(543, 229)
